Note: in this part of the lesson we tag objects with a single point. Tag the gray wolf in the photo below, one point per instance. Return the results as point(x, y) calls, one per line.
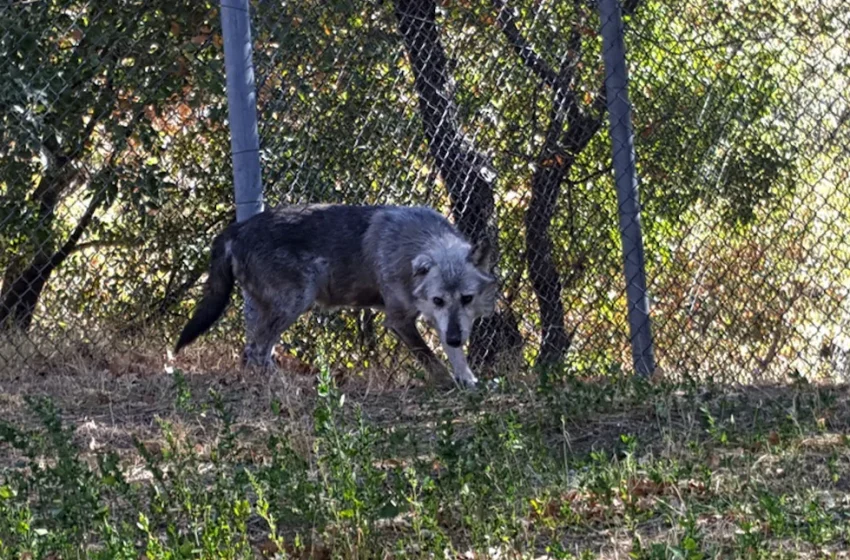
point(407, 261)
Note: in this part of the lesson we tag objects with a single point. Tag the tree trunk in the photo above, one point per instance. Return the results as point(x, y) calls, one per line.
point(554, 164)
point(21, 284)
point(569, 132)
point(20, 298)
point(468, 176)
point(545, 280)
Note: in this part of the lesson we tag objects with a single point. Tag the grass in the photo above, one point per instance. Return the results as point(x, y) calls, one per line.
point(179, 465)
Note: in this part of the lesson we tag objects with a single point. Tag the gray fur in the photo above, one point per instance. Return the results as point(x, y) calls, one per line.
point(406, 261)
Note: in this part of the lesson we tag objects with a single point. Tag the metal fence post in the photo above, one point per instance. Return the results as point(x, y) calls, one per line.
point(242, 113)
point(623, 154)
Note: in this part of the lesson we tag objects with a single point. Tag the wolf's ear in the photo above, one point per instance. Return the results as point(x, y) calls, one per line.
point(421, 265)
point(481, 253)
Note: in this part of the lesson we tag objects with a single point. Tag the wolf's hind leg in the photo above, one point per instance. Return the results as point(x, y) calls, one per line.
point(282, 306)
point(265, 334)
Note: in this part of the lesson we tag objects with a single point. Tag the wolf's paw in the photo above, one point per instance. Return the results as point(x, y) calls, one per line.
point(253, 359)
point(467, 381)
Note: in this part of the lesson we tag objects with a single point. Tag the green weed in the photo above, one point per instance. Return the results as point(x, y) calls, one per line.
point(571, 470)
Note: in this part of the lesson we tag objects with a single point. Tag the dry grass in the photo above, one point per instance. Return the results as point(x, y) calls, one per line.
point(112, 397)
point(706, 456)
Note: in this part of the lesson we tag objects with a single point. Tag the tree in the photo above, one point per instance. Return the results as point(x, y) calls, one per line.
point(571, 127)
point(82, 108)
point(469, 177)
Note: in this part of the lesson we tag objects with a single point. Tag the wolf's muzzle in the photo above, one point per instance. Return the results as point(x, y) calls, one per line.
point(453, 333)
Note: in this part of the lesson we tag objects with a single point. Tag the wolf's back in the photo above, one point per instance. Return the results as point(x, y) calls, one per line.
point(217, 292)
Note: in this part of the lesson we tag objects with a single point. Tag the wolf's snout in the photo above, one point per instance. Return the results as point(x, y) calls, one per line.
point(453, 338)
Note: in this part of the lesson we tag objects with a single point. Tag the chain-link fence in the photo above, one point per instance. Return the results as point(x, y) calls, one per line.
point(116, 171)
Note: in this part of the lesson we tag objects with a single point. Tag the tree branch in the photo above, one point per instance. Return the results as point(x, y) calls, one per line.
point(630, 7)
point(604, 171)
point(102, 244)
point(521, 45)
point(67, 248)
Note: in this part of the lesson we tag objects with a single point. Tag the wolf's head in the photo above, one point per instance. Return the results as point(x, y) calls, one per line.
point(452, 286)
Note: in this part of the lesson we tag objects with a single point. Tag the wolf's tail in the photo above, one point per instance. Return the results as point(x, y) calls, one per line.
point(217, 291)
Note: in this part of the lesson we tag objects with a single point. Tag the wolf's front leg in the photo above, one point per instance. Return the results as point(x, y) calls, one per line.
point(462, 374)
point(405, 329)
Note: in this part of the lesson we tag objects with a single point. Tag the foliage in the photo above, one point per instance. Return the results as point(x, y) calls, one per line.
point(668, 470)
point(738, 159)
point(121, 112)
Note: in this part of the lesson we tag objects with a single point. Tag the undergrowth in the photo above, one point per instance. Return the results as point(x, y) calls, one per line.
point(617, 468)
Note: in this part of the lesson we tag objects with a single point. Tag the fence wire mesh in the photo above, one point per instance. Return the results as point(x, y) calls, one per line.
point(116, 171)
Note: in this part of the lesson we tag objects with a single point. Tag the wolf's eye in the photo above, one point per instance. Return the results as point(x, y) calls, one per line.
point(439, 302)
point(465, 300)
